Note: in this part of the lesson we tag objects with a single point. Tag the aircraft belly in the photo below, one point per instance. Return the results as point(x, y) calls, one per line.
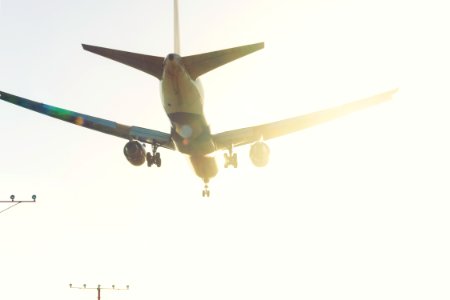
point(205, 166)
point(195, 146)
point(191, 134)
point(181, 95)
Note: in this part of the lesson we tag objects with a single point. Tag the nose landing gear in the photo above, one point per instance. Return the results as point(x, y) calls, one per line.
point(206, 192)
point(153, 158)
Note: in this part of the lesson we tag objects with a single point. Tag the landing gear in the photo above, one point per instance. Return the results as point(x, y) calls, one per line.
point(230, 158)
point(153, 158)
point(206, 192)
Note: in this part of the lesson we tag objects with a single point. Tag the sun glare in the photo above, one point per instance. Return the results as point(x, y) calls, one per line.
point(353, 208)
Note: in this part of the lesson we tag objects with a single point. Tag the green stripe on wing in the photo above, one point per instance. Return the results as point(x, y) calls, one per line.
point(98, 124)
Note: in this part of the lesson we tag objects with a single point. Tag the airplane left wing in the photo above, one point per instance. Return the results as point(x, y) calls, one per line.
point(102, 125)
point(248, 135)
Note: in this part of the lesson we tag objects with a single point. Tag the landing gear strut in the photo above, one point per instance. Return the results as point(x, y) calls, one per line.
point(154, 158)
point(205, 192)
point(230, 158)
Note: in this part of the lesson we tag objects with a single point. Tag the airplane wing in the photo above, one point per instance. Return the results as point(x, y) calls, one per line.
point(102, 125)
point(248, 135)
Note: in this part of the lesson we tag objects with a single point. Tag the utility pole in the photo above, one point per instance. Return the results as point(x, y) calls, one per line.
point(99, 288)
point(15, 202)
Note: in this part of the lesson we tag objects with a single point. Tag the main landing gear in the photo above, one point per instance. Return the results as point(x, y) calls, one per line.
point(153, 158)
point(206, 192)
point(230, 158)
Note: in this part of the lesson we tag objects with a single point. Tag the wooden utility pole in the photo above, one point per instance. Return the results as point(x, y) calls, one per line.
point(99, 288)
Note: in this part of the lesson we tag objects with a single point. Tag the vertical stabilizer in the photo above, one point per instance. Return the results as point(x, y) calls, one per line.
point(176, 28)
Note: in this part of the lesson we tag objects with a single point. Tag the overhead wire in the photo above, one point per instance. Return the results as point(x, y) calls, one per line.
point(10, 207)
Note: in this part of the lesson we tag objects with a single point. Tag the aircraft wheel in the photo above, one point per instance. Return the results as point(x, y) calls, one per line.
point(149, 158)
point(157, 160)
point(227, 160)
point(205, 192)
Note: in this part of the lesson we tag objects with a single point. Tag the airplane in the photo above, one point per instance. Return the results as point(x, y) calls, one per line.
point(182, 98)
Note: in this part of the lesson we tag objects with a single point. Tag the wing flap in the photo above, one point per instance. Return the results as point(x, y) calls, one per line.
point(94, 123)
point(275, 129)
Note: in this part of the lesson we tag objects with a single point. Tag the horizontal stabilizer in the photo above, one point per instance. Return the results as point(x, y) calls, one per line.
point(152, 65)
point(200, 64)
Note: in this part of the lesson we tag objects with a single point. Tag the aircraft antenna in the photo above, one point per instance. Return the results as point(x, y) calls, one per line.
point(176, 28)
point(15, 202)
point(99, 288)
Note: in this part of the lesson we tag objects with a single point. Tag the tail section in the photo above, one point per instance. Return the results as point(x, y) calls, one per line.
point(176, 28)
point(200, 64)
point(196, 65)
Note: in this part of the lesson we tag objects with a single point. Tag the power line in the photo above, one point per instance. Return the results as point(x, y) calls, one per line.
point(9, 207)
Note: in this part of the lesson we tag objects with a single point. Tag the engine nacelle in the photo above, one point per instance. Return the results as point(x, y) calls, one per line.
point(135, 153)
point(259, 154)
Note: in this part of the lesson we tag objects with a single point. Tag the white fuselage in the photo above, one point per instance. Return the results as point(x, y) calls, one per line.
point(179, 92)
point(182, 98)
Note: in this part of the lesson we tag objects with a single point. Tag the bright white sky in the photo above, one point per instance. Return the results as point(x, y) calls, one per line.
point(353, 209)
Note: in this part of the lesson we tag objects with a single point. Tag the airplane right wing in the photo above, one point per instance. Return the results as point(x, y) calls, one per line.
point(109, 127)
point(248, 135)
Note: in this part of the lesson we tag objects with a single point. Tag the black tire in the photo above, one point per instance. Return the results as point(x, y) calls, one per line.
point(158, 161)
point(235, 161)
point(227, 160)
point(149, 158)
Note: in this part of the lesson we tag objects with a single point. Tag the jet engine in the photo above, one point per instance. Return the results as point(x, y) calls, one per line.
point(259, 154)
point(135, 153)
